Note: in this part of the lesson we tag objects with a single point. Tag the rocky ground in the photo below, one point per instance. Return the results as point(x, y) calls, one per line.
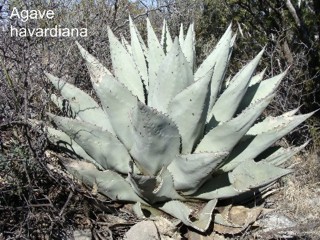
point(38, 200)
point(290, 210)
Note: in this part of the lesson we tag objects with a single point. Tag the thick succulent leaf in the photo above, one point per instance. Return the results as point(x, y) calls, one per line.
point(261, 90)
point(188, 47)
point(221, 51)
point(64, 106)
point(245, 177)
point(137, 210)
point(116, 99)
point(155, 188)
point(176, 77)
point(250, 175)
point(257, 78)
point(107, 182)
point(146, 211)
point(96, 69)
point(117, 102)
point(124, 67)
point(58, 101)
point(62, 140)
point(255, 145)
point(181, 211)
point(226, 83)
point(228, 102)
point(282, 155)
point(166, 40)
point(101, 145)
point(155, 58)
point(268, 86)
point(153, 139)
point(226, 135)
point(142, 44)
point(190, 171)
point(270, 123)
point(82, 104)
point(181, 35)
point(188, 110)
point(232, 42)
point(291, 113)
point(253, 194)
point(156, 139)
point(138, 54)
point(216, 187)
point(218, 59)
point(125, 43)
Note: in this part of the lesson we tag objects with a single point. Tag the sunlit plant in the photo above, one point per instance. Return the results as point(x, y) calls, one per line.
point(165, 132)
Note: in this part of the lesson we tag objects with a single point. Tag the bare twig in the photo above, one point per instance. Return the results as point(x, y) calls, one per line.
point(66, 203)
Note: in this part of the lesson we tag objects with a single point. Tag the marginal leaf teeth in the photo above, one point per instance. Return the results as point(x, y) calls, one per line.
point(193, 138)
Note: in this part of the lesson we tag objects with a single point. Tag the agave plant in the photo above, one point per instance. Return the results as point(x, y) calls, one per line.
point(166, 133)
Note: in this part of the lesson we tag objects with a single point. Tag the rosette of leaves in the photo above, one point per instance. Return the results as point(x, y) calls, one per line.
point(165, 132)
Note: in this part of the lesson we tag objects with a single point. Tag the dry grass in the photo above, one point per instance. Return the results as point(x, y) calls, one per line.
point(303, 188)
point(301, 195)
point(297, 201)
point(37, 202)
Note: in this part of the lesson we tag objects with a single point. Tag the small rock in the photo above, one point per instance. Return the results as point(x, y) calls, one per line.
point(166, 229)
point(145, 230)
point(276, 221)
point(82, 234)
point(278, 224)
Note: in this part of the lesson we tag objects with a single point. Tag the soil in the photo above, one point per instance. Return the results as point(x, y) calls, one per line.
point(39, 200)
